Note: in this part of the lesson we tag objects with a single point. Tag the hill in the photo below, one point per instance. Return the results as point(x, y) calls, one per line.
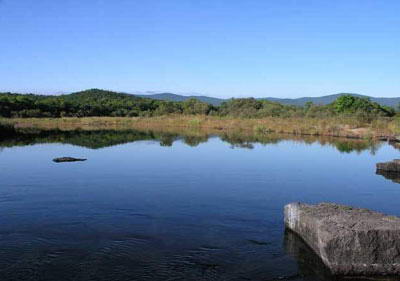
point(93, 102)
point(97, 102)
point(323, 100)
point(177, 98)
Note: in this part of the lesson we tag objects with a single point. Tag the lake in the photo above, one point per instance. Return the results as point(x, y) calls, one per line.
point(165, 206)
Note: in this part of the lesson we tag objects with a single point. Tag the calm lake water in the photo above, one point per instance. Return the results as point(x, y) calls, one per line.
point(148, 206)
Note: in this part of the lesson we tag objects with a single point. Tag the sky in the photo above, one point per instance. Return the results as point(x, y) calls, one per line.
point(221, 48)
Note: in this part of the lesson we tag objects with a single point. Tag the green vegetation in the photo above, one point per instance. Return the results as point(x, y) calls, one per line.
point(355, 105)
point(97, 102)
point(93, 102)
point(348, 116)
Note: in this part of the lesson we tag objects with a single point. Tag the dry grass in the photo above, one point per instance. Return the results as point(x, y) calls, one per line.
point(338, 127)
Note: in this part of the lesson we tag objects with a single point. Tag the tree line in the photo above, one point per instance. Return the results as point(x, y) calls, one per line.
point(96, 102)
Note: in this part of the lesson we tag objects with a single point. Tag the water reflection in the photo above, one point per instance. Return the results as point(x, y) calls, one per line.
point(310, 266)
point(394, 177)
point(104, 138)
point(144, 212)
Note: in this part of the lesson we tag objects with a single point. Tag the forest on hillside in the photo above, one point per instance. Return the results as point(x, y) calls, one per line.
point(96, 102)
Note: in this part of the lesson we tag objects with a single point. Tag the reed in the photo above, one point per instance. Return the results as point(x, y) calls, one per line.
point(333, 126)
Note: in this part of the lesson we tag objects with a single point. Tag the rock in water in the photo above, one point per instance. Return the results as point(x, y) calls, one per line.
point(391, 166)
point(67, 159)
point(349, 241)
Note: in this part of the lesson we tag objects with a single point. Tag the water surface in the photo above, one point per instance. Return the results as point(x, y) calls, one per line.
point(165, 206)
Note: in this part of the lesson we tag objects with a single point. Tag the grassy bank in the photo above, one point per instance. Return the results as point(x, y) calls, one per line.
point(338, 127)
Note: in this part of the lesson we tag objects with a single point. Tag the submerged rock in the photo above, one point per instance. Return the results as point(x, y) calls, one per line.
point(67, 159)
point(349, 241)
point(391, 166)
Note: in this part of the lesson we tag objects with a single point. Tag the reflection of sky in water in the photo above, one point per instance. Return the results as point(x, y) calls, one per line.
point(139, 209)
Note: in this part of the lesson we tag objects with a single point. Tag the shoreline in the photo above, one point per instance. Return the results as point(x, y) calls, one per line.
point(384, 129)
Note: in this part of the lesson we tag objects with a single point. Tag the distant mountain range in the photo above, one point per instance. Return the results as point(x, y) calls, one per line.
point(393, 102)
point(174, 97)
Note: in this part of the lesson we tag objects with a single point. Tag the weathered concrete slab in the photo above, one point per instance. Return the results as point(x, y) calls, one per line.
point(349, 241)
point(391, 166)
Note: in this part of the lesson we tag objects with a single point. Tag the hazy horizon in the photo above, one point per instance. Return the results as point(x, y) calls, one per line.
point(285, 49)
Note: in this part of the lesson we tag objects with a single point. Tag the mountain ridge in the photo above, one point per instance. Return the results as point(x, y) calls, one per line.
point(322, 100)
point(176, 97)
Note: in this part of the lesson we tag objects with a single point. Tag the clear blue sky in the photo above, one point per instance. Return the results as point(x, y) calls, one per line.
point(280, 48)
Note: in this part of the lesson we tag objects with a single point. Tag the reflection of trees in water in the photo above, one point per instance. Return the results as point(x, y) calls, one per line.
point(195, 140)
point(243, 140)
point(103, 138)
point(89, 139)
point(166, 140)
point(236, 139)
point(359, 146)
point(93, 139)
